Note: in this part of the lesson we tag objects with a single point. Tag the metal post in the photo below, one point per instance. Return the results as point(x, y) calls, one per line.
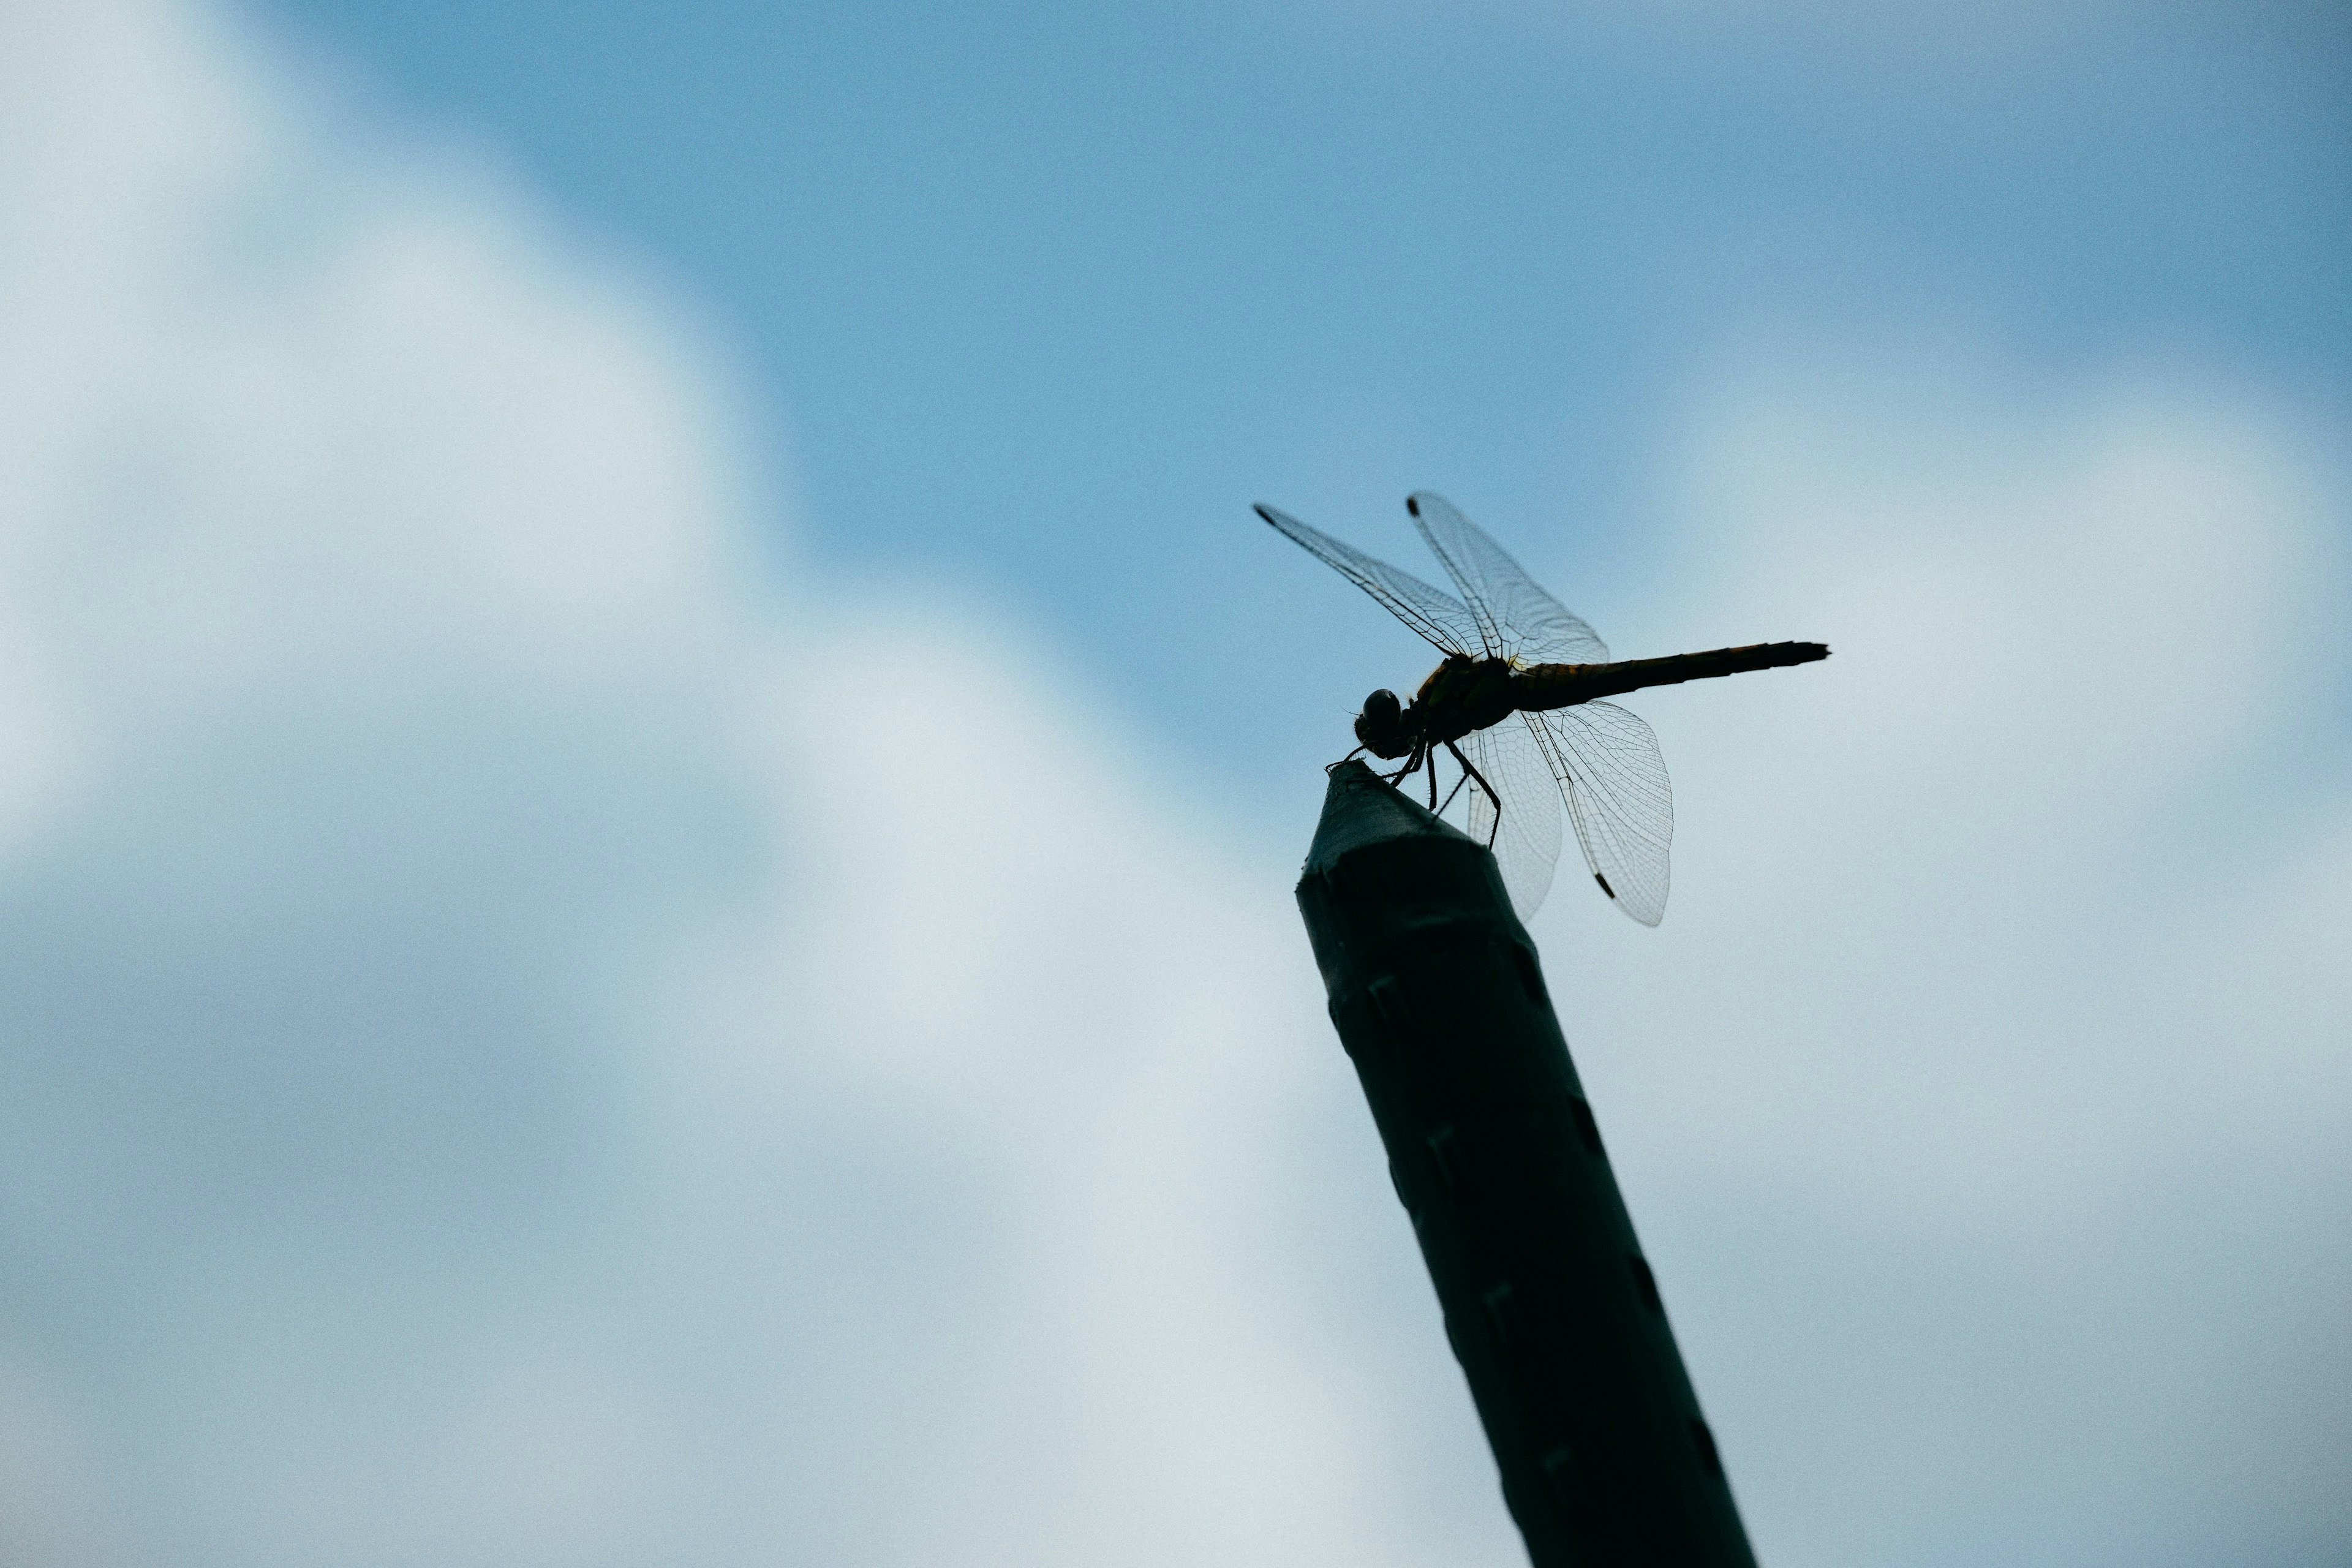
point(1548, 1305)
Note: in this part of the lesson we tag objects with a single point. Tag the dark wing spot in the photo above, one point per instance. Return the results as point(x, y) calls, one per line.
point(1604, 884)
point(1412, 506)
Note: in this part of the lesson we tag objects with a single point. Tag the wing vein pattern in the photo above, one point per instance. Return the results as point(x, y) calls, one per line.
point(1527, 842)
point(1608, 769)
point(1517, 620)
point(1436, 615)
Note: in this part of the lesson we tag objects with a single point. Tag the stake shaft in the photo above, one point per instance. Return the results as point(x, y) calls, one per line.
point(1549, 1307)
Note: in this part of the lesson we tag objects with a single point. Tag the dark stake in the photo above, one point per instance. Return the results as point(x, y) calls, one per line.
point(1557, 1319)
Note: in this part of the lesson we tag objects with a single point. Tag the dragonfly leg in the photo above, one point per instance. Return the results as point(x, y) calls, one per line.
point(1458, 782)
point(1406, 772)
point(1473, 774)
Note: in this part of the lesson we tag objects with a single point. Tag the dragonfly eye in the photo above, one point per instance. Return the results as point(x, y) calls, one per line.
point(1380, 726)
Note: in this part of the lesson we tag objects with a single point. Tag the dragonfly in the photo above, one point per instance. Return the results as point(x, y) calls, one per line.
point(1519, 703)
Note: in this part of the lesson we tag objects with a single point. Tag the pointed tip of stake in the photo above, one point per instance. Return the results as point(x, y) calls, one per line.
point(1359, 808)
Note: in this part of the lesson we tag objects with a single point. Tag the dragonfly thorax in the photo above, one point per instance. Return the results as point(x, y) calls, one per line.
point(1461, 695)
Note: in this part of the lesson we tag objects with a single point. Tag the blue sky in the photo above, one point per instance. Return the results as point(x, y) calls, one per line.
point(1034, 299)
point(653, 768)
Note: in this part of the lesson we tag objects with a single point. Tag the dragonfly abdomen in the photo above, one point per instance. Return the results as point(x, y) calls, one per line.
point(1543, 685)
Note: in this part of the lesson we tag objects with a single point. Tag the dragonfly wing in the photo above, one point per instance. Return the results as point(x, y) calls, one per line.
point(1608, 769)
point(1511, 757)
point(1434, 613)
point(1516, 619)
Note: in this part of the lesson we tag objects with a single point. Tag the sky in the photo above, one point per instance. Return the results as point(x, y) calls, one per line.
point(653, 765)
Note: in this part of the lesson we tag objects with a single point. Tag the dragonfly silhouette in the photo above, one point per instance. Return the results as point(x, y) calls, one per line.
point(1518, 705)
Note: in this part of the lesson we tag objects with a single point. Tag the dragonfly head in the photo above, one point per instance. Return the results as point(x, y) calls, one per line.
point(1381, 726)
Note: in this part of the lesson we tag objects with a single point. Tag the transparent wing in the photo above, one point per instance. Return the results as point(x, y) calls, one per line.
point(1434, 613)
point(1509, 756)
point(1516, 619)
point(1609, 768)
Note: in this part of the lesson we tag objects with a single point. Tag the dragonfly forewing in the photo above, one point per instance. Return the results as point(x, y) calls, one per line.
point(1516, 620)
point(1436, 615)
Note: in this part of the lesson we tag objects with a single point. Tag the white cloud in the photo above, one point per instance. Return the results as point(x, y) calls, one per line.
point(1997, 991)
point(526, 1043)
point(2078, 637)
point(531, 1045)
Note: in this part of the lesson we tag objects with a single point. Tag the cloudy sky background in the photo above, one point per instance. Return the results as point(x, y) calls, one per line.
point(652, 766)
